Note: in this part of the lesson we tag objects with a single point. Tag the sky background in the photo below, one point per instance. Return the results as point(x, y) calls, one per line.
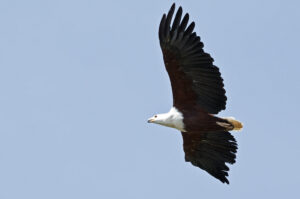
point(79, 79)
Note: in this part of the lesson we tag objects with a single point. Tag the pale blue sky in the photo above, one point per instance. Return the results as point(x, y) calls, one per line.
point(78, 80)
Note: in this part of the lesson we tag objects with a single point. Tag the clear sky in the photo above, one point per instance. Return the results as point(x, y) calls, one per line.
point(79, 79)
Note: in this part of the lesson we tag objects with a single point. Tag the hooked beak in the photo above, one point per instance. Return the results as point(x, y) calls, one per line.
point(151, 120)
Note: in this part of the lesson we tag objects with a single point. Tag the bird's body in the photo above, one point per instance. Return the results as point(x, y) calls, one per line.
point(192, 120)
point(198, 94)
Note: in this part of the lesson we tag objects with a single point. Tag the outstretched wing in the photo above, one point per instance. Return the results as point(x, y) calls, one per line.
point(210, 151)
point(194, 78)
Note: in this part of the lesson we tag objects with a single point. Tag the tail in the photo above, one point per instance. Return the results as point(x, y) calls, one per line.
point(236, 124)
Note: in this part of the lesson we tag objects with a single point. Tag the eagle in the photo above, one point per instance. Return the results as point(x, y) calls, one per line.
point(198, 95)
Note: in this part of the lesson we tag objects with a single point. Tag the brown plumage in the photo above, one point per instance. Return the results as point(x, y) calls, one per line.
point(198, 93)
point(195, 80)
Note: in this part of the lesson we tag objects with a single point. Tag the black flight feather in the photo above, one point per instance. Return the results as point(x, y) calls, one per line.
point(210, 151)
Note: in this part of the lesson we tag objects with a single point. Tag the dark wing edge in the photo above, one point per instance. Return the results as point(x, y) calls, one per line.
point(193, 76)
point(210, 151)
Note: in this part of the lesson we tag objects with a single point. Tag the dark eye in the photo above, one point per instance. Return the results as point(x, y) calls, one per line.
point(155, 116)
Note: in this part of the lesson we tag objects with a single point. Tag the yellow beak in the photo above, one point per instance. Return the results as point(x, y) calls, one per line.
point(150, 120)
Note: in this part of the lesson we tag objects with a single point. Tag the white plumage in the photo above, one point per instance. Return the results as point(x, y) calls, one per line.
point(173, 119)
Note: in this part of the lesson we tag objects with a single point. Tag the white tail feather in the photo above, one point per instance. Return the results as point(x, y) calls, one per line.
point(236, 124)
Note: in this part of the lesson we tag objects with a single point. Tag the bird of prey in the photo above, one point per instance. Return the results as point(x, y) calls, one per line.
point(198, 94)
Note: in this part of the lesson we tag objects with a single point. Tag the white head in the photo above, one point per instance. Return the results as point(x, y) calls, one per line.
point(158, 119)
point(172, 119)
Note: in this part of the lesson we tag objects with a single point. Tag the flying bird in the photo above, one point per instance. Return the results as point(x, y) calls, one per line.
point(198, 95)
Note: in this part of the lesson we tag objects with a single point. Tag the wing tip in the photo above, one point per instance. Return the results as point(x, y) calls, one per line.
point(173, 5)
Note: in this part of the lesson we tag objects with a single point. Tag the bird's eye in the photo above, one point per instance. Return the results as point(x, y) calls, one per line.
point(155, 116)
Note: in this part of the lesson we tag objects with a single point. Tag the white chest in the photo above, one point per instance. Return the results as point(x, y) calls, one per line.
point(173, 119)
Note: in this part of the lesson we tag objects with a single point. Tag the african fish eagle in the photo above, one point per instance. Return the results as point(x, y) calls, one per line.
point(198, 94)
